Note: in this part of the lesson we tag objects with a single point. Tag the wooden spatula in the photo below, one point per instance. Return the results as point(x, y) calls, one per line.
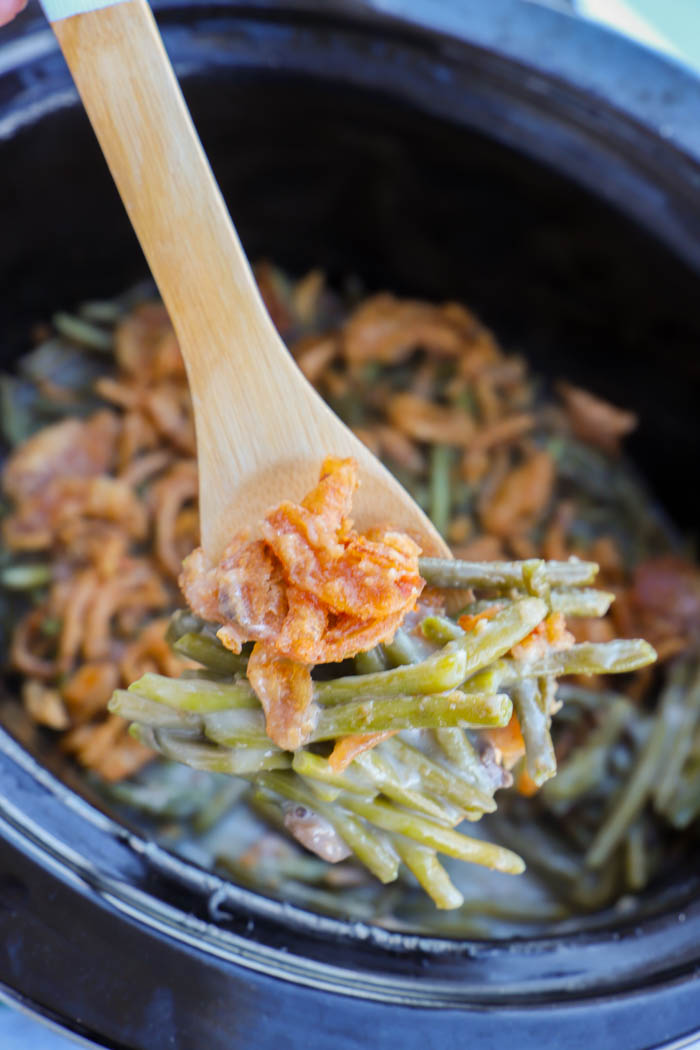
point(262, 430)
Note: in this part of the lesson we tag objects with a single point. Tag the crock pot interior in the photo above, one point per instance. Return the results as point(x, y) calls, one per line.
point(357, 181)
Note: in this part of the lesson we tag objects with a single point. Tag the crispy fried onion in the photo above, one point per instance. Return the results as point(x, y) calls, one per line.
point(73, 448)
point(107, 747)
point(387, 329)
point(112, 501)
point(311, 590)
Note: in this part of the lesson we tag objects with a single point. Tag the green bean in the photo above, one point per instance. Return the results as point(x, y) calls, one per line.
point(371, 661)
point(487, 680)
point(499, 634)
point(100, 312)
point(636, 873)
point(24, 577)
point(83, 332)
point(209, 814)
point(382, 773)
point(482, 604)
point(18, 410)
point(202, 674)
point(586, 602)
point(684, 807)
point(535, 579)
point(687, 714)
point(455, 745)
point(504, 575)
point(275, 870)
point(402, 650)
point(616, 657)
point(210, 653)
point(440, 629)
point(440, 496)
point(195, 694)
point(534, 723)
point(429, 872)
point(589, 699)
point(544, 852)
point(459, 750)
point(183, 622)
point(134, 708)
point(266, 807)
point(441, 672)
point(560, 868)
point(438, 837)
point(168, 789)
point(635, 792)
point(242, 763)
point(325, 792)
point(450, 783)
point(276, 879)
point(412, 712)
point(587, 764)
point(375, 852)
point(238, 727)
point(307, 764)
point(594, 890)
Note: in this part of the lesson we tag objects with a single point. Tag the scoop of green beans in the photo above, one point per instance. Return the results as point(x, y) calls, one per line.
point(401, 801)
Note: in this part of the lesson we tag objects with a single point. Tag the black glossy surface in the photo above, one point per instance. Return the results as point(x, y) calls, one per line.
point(344, 156)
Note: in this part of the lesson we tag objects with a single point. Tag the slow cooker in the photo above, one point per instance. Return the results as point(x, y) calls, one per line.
point(546, 172)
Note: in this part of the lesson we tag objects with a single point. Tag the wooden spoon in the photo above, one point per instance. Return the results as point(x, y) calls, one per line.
point(262, 430)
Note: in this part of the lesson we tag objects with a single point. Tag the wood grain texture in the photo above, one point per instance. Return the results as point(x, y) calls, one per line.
point(261, 428)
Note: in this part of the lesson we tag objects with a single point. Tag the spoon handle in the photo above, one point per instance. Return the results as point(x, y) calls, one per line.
point(236, 364)
point(135, 105)
point(261, 427)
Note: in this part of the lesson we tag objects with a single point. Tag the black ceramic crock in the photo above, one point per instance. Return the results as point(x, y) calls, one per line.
point(547, 173)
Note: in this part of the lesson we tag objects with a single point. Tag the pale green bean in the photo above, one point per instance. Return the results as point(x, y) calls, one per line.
point(436, 836)
point(429, 872)
point(503, 575)
point(195, 694)
point(475, 710)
